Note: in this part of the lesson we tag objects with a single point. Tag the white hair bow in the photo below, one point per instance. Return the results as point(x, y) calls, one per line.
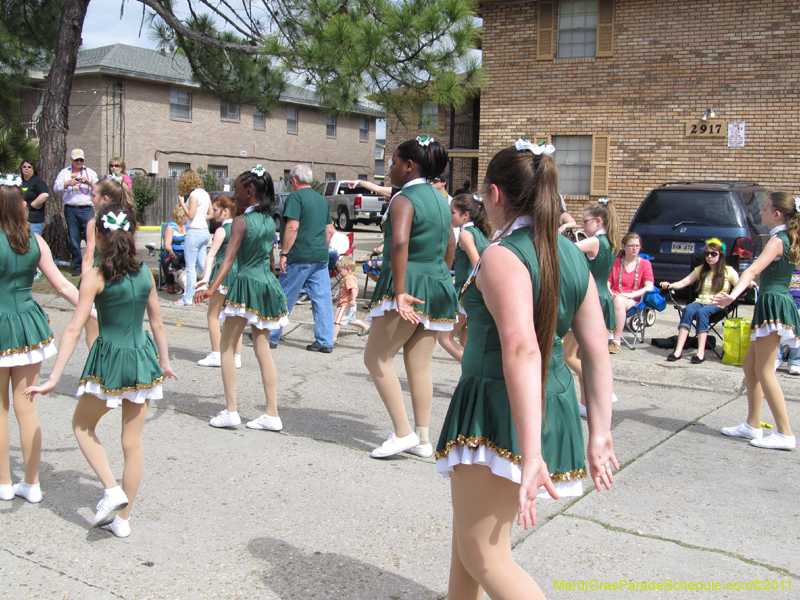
point(12, 180)
point(425, 140)
point(258, 171)
point(797, 204)
point(604, 201)
point(115, 177)
point(118, 221)
point(541, 148)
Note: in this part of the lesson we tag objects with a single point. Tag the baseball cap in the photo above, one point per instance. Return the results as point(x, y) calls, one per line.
point(77, 153)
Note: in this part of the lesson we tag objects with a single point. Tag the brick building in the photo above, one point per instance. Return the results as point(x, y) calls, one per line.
point(620, 87)
point(143, 105)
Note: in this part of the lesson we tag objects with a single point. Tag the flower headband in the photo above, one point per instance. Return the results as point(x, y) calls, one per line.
point(11, 180)
point(717, 242)
point(604, 201)
point(258, 171)
point(541, 148)
point(115, 177)
point(797, 204)
point(425, 140)
point(113, 222)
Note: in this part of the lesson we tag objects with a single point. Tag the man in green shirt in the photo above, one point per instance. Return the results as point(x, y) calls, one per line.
point(305, 234)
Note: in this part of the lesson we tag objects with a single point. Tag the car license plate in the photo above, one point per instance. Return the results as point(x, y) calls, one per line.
point(683, 247)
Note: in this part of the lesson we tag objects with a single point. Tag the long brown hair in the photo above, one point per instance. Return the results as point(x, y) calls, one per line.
point(14, 218)
point(530, 183)
point(115, 192)
point(717, 271)
point(477, 212)
point(784, 203)
point(607, 213)
point(117, 247)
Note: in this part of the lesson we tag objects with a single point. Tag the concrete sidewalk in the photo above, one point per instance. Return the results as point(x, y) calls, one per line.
point(306, 513)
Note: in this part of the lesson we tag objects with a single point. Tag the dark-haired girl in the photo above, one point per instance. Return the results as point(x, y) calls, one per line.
point(254, 296)
point(414, 298)
point(25, 335)
point(601, 224)
point(125, 367)
point(469, 218)
point(223, 210)
point(711, 278)
point(775, 322)
point(496, 443)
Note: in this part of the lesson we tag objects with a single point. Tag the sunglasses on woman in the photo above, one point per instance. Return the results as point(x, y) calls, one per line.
point(711, 253)
point(113, 166)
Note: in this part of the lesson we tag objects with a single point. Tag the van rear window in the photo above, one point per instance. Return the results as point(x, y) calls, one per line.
point(345, 189)
point(670, 207)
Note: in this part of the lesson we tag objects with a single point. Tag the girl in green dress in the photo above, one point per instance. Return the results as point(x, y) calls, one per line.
point(254, 296)
point(125, 367)
point(601, 224)
point(776, 322)
point(223, 210)
point(414, 298)
point(492, 445)
point(25, 335)
point(469, 218)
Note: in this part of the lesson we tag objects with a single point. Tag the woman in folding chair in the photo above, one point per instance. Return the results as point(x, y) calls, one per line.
point(631, 278)
point(712, 277)
point(775, 321)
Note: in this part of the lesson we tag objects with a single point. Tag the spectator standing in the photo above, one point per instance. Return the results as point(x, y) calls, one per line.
point(75, 184)
point(794, 353)
point(631, 278)
point(116, 168)
point(464, 189)
point(197, 207)
point(36, 193)
point(346, 298)
point(305, 234)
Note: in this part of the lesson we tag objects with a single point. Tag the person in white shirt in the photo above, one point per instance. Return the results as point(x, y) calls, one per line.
point(197, 206)
point(75, 184)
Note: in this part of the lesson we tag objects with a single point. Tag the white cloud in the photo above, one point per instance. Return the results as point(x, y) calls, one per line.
point(103, 27)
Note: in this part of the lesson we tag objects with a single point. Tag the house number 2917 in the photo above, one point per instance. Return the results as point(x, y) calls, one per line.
point(701, 128)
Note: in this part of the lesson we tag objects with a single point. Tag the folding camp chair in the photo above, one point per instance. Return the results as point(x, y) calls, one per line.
point(638, 319)
point(334, 274)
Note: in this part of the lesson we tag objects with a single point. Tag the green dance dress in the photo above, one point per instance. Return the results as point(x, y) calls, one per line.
point(479, 426)
point(775, 308)
point(601, 266)
point(25, 335)
point(463, 267)
point(427, 276)
point(223, 287)
point(255, 293)
point(123, 362)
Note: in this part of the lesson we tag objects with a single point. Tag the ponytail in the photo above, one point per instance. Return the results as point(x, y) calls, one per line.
point(116, 242)
point(425, 152)
point(115, 192)
point(477, 212)
point(785, 204)
point(607, 212)
point(261, 182)
point(14, 218)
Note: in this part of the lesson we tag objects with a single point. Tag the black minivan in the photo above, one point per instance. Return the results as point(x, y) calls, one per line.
point(678, 216)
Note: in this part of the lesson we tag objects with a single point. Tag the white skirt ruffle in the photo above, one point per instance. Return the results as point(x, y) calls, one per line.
point(29, 358)
point(391, 305)
point(464, 455)
point(252, 319)
point(786, 334)
point(137, 397)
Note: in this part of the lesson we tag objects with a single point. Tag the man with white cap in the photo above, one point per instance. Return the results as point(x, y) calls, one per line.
point(75, 184)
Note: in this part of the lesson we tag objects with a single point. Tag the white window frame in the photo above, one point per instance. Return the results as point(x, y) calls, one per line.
point(574, 159)
point(429, 115)
point(180, 100)
point(363, 130)
point(577, 19)
point(228, 111)
point(259, 119)
point(292, 119)
point(330, 126)
point(174, 169)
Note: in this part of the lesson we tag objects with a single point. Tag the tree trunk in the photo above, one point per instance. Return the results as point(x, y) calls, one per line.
point(54, 126)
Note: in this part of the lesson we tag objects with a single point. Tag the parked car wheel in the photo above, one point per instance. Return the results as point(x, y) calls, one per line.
point(344, 222)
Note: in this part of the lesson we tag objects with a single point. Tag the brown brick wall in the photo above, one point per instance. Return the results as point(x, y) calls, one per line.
point(671, 61)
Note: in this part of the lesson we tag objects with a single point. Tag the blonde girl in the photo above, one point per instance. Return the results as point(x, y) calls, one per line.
point(196, 203)
point(223, 209)
point(776, 321)
point(631, 278)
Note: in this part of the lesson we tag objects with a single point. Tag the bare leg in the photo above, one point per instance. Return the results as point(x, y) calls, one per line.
point(360, 324)
point(484, 509)
point(269, 376)
point(387, 336)
point(87, 414)
point(5, 438)
point(766, 349)
point(462, 584)
point(336, 328)
point(447, 339)
point(417, 353)
point(214, 308)
point(701, 344)
point(572, 358)
point(232, 330)
point(30, 433)
point(754, 392)
point(621, 307)
point(133, 418)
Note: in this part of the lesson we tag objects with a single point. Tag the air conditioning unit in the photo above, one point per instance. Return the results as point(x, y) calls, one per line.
point(243, 152)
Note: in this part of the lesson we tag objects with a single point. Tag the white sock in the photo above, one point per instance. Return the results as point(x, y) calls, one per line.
point(751, 427)
point(109, 491)
point(239, 356)
point(214, 354)
point(422, 434)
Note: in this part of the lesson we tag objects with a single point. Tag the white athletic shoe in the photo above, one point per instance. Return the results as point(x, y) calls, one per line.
point(31, 493)
point(119, 527)
point(776, 441)
point(582, 408)
point(113, 501)
point(794, 369)
point(422, 450)
point(778, 363)
point(6, 491)
point(395, 445)
point(238, 359)
point(212, 360)
point(743, 430)
point(613, 397)
point(225, 419)
point(267, 423)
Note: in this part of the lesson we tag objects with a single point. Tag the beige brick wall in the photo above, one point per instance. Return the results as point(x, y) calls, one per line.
point(671, 61)
point(150, 134)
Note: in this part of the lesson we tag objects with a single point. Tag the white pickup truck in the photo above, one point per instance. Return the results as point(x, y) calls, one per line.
point(352, 205)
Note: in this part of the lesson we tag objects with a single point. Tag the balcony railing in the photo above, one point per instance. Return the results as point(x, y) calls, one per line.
point(31, 125)
point(466, 135)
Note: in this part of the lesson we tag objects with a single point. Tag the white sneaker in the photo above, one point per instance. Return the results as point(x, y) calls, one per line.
point(778, 363)
point(422, 450)
point(119, 527)
point(31, 493)
point(395, 445)
point(794, 369)
point(6, 491)
point(113, 501)
point(582, 408)
point(613, 397)
point(225, 419)
point(212, 360)
point(238, 359)
point(743, 430)
point(776, 441)
point(267, 423)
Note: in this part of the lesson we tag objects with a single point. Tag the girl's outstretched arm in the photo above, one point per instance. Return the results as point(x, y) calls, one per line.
point(238, 231)
point(773, 250)
point(216, 244)
point(54, 276)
